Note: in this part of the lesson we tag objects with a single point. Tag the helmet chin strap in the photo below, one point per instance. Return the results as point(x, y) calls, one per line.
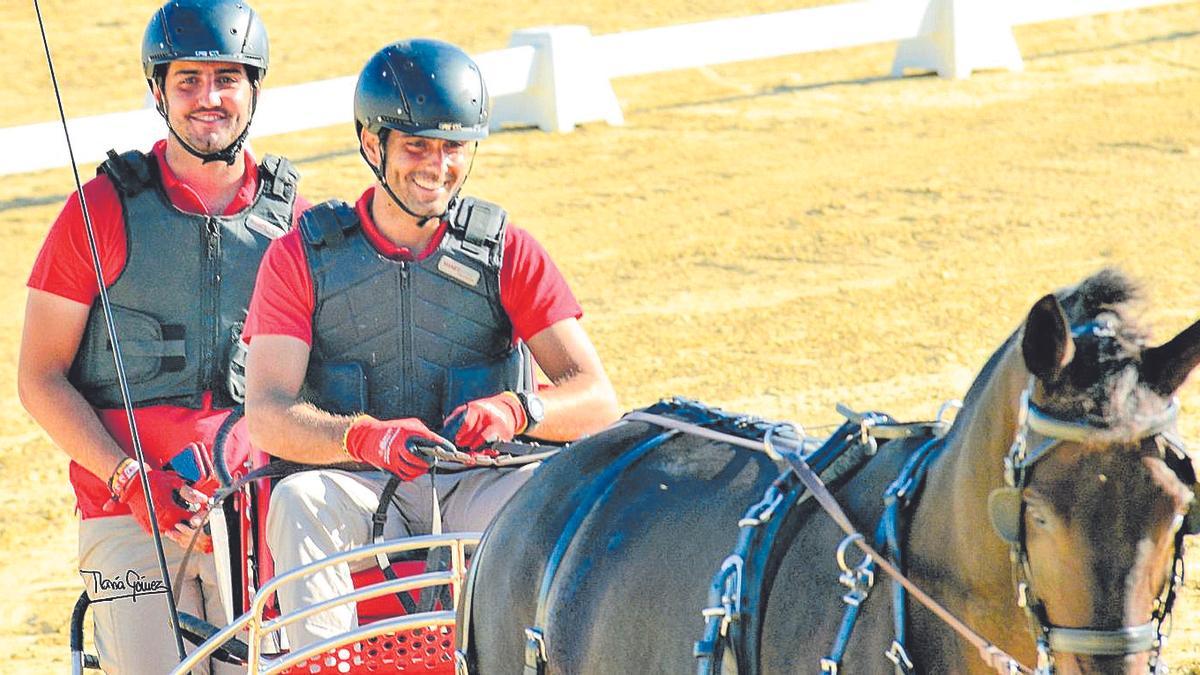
point(381, 175)
point(231, 152)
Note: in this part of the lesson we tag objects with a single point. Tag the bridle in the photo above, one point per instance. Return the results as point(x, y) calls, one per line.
point(1007, 508)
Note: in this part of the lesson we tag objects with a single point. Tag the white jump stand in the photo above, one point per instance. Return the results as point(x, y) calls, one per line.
point(959, 37)
point(567, 86)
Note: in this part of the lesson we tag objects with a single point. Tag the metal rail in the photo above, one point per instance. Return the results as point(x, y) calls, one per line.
point(258, 627)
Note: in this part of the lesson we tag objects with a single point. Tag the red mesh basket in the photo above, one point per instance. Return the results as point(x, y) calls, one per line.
point(420, 650)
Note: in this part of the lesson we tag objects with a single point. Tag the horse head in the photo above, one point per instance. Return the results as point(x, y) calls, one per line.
point(1099, 487)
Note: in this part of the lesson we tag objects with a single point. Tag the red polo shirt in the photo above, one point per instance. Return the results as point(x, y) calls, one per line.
point(64, 268)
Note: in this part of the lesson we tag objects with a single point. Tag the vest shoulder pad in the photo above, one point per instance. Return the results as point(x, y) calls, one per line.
point(479, 223)
point(278, 177)
point(131, 172)
point(328, 223)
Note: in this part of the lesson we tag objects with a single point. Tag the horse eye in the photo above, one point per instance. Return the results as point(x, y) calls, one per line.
point(1037, 516)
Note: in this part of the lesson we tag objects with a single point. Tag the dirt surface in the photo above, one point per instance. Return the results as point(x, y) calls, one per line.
point(771, 237)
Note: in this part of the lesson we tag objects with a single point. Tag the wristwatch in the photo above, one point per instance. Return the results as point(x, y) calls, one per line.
point(535, 409)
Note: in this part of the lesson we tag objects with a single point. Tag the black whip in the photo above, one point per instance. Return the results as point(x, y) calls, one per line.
point(122, 382)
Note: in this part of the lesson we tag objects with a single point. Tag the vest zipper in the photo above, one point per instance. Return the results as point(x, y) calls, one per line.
point(409, 356)
point(212, 290)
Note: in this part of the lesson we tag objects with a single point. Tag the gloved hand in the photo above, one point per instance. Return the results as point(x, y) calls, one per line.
point(383, 443)
point(164, 485)
point(486, 420)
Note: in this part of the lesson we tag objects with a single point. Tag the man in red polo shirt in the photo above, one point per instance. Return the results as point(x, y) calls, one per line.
point(180, 232)
point(375, 324)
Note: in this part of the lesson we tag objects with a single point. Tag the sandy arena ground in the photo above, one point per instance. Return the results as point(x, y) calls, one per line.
point(771, 237)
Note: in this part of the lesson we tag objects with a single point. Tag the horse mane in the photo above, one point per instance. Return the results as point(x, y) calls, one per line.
point(1101, 384)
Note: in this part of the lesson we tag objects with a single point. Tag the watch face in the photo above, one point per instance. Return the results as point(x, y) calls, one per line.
point(534, 408)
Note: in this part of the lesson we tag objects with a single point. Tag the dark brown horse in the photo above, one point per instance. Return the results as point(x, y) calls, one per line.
point(603, 562)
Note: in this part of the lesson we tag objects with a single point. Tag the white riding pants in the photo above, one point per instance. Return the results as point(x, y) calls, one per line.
point(120, 571)
point(314, 514)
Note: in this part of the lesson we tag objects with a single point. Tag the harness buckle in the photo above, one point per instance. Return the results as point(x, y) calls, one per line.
point(829, 666)
point(1044, 660)
point(536, 642)
point(762, 511)
point(731, 595)
point(860, 579)
point(897, 655)
point(1010, 471)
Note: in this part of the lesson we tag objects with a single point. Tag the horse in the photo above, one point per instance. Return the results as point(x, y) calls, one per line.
point(1048, 518)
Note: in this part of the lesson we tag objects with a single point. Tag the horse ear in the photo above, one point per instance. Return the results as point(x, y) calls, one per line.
point(1166, 367)
point(1047, 344)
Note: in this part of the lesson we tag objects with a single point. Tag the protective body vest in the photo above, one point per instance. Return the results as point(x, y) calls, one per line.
point(180, 302)
point(397, 338)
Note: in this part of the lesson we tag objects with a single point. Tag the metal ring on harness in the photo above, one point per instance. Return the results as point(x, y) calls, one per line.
point(846, 543)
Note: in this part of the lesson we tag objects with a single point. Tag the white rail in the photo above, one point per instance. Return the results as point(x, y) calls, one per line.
point(559, 76)
point(254, 623)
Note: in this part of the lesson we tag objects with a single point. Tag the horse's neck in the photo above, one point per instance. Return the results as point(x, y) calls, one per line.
point(952, 546)
point(972, 464)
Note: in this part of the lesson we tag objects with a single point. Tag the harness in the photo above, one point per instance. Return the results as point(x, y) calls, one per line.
point(734, 616)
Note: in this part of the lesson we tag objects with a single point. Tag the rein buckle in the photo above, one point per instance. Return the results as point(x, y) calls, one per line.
point(899, 656)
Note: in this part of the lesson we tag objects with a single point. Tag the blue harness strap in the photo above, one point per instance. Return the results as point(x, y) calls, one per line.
point(596, 494)
point(738, 594)
point(900, 494)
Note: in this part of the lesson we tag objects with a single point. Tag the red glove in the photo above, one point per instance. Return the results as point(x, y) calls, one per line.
point(383, 443)
point(487, 420)
point(127, 490)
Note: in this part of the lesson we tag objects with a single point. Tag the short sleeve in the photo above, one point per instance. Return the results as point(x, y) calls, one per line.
point(532, 289)
point(283, 300)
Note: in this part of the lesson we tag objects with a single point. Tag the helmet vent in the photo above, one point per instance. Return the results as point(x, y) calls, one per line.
point(420, 99)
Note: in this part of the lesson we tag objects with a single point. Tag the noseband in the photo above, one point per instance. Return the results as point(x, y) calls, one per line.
point(1007, 508)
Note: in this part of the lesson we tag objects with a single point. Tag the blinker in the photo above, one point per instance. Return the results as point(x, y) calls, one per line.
point(1004, 508)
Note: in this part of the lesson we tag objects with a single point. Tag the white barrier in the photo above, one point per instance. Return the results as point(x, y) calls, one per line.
point(557, 77)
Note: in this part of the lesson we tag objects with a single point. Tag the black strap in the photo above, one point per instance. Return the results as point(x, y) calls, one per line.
point(898, 499)
point(328, 223)
point(596, 493)
point(480, 224)
point(131, 172)
point(219, 441)
point(378, 520)
point(278, 177)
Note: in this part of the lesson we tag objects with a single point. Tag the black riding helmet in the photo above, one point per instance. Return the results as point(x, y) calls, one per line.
point(420, 88)
point(206, 30)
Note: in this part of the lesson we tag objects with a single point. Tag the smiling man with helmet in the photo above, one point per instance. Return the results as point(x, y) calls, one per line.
point(407, 316)
point(179, 233)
